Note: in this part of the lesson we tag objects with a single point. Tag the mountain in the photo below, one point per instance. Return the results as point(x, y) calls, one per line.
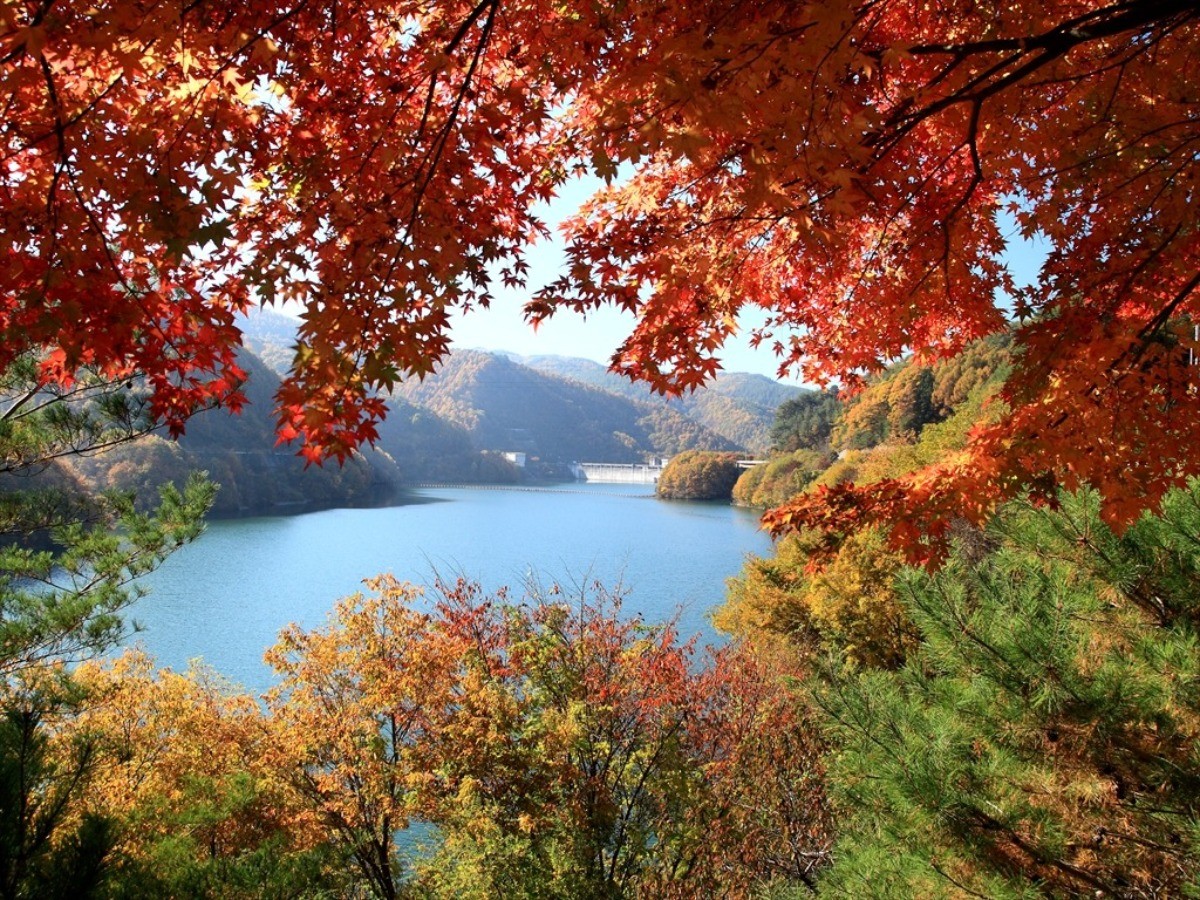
point(270, 336)
point(507, 406)
point(739, 406)
point(429, 448)
point(239, 454)
point(455, 427)
point(555, 407)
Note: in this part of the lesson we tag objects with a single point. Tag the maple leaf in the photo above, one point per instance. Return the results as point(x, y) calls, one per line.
point(841, 166)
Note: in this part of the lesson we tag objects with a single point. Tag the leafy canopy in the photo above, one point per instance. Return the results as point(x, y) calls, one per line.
point(561, 749)
point(699, 475)
point(844, 167)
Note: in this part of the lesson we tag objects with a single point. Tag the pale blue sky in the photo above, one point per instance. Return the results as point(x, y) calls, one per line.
point(596, 336)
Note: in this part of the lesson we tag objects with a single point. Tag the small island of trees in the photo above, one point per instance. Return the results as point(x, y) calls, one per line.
point(699, 475)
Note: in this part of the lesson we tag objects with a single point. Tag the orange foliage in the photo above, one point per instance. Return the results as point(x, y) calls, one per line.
point(842, 166)
point(556, 727)
point(162, 733)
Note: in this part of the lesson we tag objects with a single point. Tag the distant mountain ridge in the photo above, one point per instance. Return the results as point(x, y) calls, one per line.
point(508, 406)
point(558, 408)
point(458, 425)
point(739, 406)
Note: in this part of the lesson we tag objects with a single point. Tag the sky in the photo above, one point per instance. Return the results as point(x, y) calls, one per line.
point(596, 336)
point(502, 327)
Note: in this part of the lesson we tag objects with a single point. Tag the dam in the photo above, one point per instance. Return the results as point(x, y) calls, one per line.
point(618, 473)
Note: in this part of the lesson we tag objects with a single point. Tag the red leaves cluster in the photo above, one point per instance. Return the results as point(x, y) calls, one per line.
point(845, 168)
point(164, 168)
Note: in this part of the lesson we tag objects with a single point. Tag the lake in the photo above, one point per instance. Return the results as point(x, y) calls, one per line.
point(225, 597)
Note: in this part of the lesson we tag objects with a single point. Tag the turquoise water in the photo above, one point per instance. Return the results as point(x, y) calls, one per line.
point(225, 597)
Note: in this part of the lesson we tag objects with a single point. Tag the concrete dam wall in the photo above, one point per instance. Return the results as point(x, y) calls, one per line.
point(617, 473)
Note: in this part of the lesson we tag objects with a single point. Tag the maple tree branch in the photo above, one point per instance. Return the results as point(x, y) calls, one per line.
point(471, 19)
point(1109, 21)
point(973, 146)
point(1164, 314)
point(102, 237)
point(231, 58)
point(1027, 55)
point(71, 121)
point(59, 133)
point(1133, 276)
point(1044, 49)
point(428, 166)
point(1046, 174)
point(894, 218)
point(91, 105)
point(452, 45)
point(1146, 334)
point(60, 166)
point(970, 142)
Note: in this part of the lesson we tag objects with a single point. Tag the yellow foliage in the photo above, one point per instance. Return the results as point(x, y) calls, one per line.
point(164, 733)
point(852, 603)
point(849, 607)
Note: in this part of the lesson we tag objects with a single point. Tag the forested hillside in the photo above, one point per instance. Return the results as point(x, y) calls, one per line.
point(453, 427)
point(271, 336)
point(506, 406)
point(561, 409)
point(908, 417)
point(736, 405)
point(698, 475)
point(241, 455)
point(257, 475)
point(1012, 723)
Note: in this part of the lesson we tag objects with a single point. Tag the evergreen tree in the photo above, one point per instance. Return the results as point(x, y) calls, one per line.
point(1041, 740)
point(68, 557)
point(68, 561)
point(805, 421)
point(46, 848)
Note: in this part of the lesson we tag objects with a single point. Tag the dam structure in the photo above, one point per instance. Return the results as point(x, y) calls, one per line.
point(618, 473)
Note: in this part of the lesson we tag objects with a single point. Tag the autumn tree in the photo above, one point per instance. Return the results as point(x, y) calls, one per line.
point(560, 748)
point(184, 783)
point(847, 610)
point(58, 605)
point(353, 700)
point(699, 475)
point(780, 478)
point(855, 172)
point(47, 847)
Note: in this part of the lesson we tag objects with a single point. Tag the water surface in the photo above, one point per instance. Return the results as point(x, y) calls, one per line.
point(225, 597)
